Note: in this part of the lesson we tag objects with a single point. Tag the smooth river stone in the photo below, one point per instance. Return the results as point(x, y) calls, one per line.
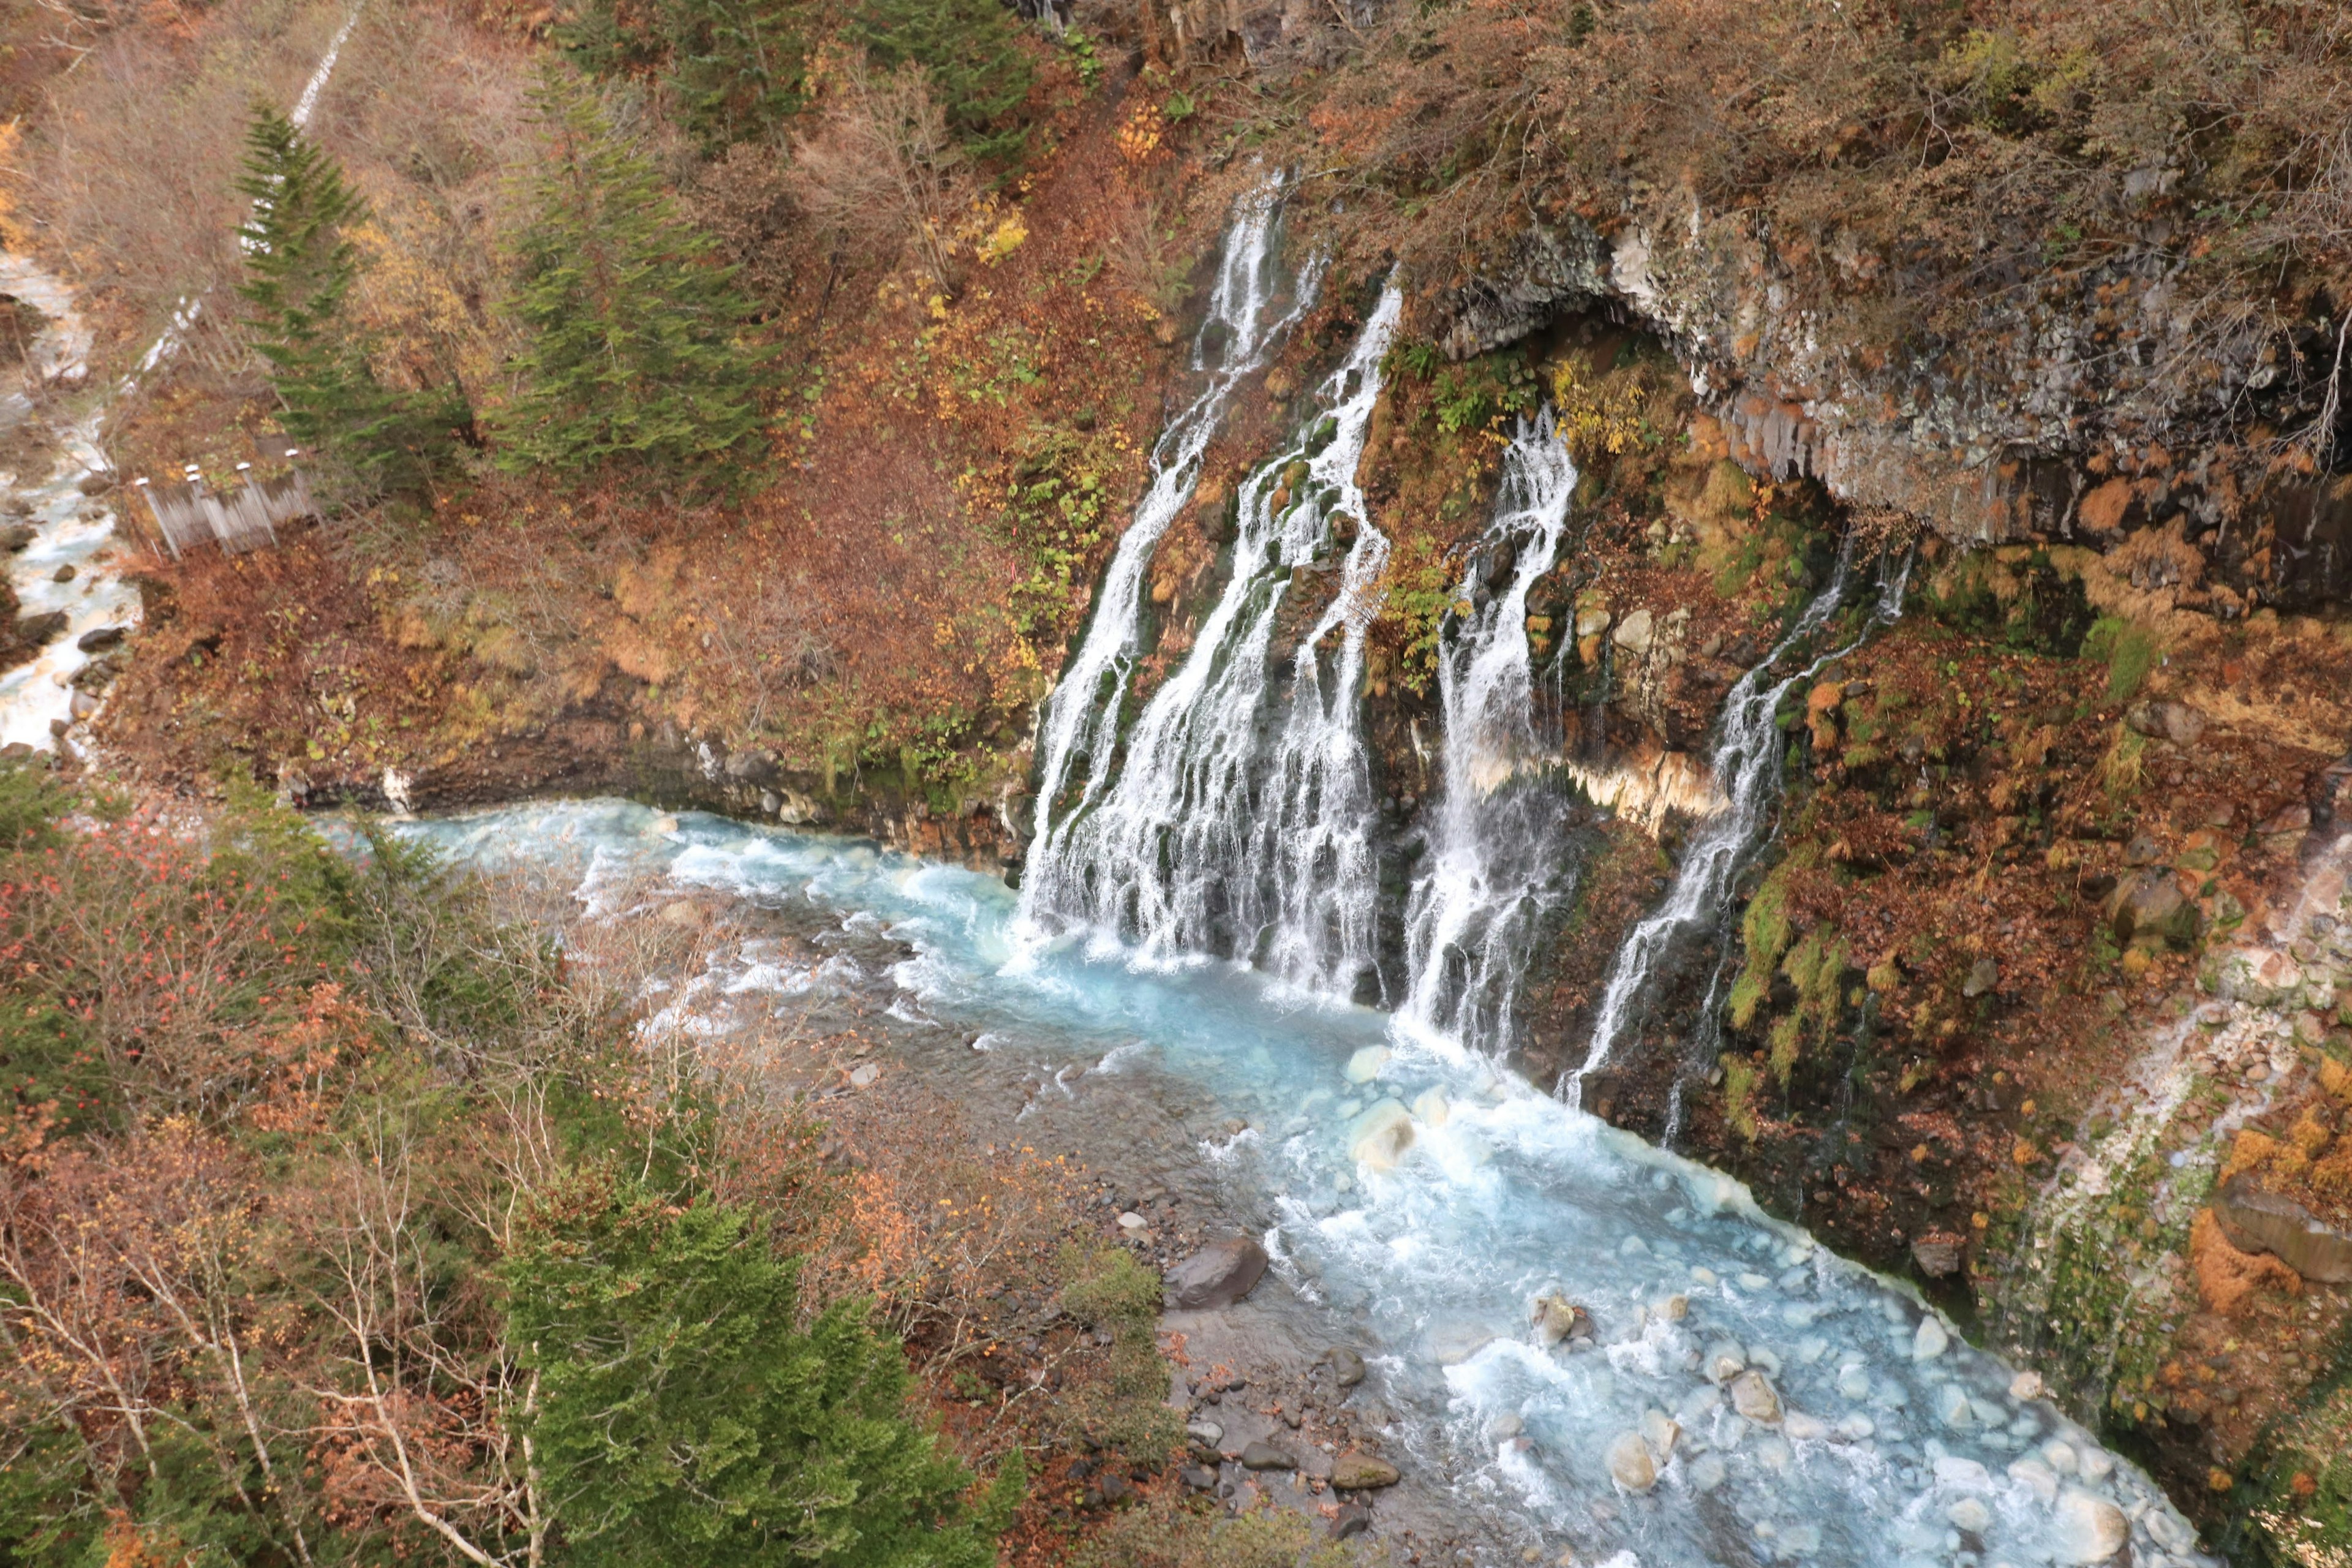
point(1630, 1465)
point(1930, 1340)
point(1753, 1395)
point(2090, 1529)
point(1381, 1135)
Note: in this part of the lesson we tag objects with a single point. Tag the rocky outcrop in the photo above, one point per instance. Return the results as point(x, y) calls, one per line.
point(1542, 274)
point(2257, 1221)
point(2093, 408)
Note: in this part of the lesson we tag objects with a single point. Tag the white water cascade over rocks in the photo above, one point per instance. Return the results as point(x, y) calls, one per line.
point(1237, 821)
point(1494, 863)
point(1577, 1347)
point(1747, 765)
point(1733, 1394)
point(1246, 318)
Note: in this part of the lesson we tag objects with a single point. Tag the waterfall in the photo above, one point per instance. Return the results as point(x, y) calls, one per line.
point(1216, 836)
point(1081, 723)
point(1493, 861)
point(1747, 768)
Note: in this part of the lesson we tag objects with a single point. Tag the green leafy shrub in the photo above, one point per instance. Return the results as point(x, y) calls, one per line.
point(2128, 652)
point(1108, 1289)
point(1175, 1532)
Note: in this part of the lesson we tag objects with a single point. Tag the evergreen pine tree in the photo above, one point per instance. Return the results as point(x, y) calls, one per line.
point(300, 265)
point(730, 70)
point(737, 67)
point(636, 348)
point(972, 48)
point(683, 1418)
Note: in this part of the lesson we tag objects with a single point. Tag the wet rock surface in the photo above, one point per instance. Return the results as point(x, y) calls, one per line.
point(1217, 1276)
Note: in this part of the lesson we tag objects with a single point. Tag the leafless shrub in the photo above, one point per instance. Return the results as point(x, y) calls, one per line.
point(744, 201)
point(775, 646)
point(882, 169)
point(1149, 256)
point(431, 132)
point(132, 172)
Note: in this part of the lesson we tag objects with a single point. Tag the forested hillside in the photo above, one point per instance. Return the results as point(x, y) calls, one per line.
point(740, 404)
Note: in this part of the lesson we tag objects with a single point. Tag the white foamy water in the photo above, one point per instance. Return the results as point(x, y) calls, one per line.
point(1249, 312)
point(1746, 767)
point(1422, 1234)
point(1494, 861)
point(1239, 819)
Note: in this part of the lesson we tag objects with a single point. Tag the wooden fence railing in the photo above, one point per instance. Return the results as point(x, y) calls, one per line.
point(187, 514)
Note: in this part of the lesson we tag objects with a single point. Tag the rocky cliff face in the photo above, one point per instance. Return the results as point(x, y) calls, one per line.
point(2074, 413)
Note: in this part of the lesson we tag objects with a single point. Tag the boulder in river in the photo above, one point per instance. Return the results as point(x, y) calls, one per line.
point(1217, 1276)
point(38, 631)
point(1753, 1395)
point(1265, 1456)
point(1347, 1366)
point(1356, 1471)
point(1352, 1520)
point(98, 639)
point(1381, 1135)
point(1630, 1465)
point(2090, 1529)
point(1556, 1318)
point(17, 536)
point(2257, 1221)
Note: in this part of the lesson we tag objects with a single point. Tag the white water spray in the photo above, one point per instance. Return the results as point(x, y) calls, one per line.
point(1493, 860)
point(1081, 725)
point(1747, 767)
point(1210, 838)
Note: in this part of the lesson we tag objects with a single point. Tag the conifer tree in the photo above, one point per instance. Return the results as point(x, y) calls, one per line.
point(686, 1411)
point(737, 69)
point(973, 51)
point(730, 70)
point(636, 347)
point(299, 266)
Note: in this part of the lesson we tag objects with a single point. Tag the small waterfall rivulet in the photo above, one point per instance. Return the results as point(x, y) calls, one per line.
point(1244, 322)
point(1747, 765)
point(1236, 823)
point(1493, 864)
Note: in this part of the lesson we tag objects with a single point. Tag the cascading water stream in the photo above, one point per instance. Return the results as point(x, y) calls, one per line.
point(39, 699)
point(1216, 836)
point(1493, 857)
point(1745, 1397)
point(1746, 767)
point(1081, 722)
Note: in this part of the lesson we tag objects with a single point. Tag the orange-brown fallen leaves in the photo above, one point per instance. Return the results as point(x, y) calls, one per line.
point(2226, 1278)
